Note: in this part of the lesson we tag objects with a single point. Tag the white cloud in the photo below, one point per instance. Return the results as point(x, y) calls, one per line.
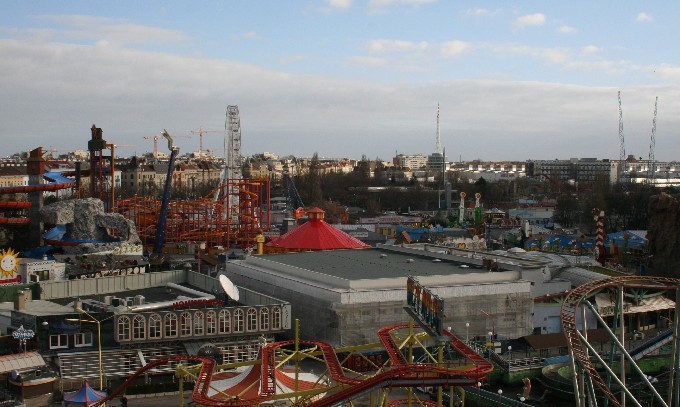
point(644, 17)
point(566, 29)
point(340, 4)
point(452, 49)
point(380, 46)
point(481, 12)
point(85, 28)
point(377, 5)
point(251, 35)
point(530, 20)
point(590, 49)
point(372, 62)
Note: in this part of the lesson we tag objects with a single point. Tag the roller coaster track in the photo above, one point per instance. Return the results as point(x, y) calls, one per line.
point(402, 374)
point(578, 346)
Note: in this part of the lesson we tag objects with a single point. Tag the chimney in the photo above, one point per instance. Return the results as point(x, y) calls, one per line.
point(20, 300)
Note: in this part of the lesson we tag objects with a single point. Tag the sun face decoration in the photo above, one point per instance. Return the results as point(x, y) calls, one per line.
point(8, 263)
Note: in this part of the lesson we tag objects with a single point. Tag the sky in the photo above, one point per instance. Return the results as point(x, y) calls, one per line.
point(521, 80)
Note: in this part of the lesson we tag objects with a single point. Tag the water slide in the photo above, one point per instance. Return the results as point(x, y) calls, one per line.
point(56, 181)
point(254, 386)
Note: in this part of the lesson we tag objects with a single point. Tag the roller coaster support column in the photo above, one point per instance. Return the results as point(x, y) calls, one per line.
point(674, 382)
point(440, 362)
point(410, 356)
point(622, 324)
point(626, 355)
point(297, 359)
point(180, 380)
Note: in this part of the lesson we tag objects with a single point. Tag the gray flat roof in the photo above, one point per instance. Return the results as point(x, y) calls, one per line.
point(373, 263)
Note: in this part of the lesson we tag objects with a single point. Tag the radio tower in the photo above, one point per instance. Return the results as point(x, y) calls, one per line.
point(438, 143)
point(652, 146)
point(622, 152)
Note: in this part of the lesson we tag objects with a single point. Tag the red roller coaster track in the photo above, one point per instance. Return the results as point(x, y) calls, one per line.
point(402, 374)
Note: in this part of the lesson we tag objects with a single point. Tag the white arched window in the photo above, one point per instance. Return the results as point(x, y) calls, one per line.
point(198, 323)
point(276, 318)
point(123, 329)
point(210, 323)
point(238, 320)
point(264, 319)
point(170, 325)
point(138, 327)
point(155, 327)
point(185, 324)
point(251, 320)
point(224, 322)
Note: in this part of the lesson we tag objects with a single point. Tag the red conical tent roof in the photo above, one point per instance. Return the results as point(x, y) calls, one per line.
point(316, 234)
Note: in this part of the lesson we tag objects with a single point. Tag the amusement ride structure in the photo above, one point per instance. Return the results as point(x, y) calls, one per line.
point(267, 379)
point(588, 366)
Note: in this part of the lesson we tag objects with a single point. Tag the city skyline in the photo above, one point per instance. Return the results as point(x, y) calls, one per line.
point(343, 78)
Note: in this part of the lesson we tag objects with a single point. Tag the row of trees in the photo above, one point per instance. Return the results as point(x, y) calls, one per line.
point(625, 205)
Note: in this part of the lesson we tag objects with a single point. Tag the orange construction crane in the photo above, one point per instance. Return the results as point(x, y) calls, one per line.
point(200, 133)
point(155, 142)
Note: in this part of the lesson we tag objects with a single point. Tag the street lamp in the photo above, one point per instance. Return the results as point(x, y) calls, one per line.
point(467, 328)
point(99, 341)
point(199, 248)
point(510, 352)
point(23, 334)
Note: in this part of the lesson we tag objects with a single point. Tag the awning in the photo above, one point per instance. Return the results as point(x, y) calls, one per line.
point(21, 361)
point(605, 305)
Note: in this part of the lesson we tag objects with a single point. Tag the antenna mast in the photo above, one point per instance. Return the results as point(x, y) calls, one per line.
point(438, 145)
point(652, 146)
point(622, 151)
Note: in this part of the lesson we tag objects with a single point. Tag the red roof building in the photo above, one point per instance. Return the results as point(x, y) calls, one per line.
point(315, 234)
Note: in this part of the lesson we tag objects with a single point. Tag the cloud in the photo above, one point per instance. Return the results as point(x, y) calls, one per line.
point(644, 17)
point(481, 12)
point(566, 29)
point(590, 49)
point(340, 4)
point(377, 5)
point(251, 35)
point(452, 49)
point(529, 20)
point(93, 28)
point(382, 46)
point(371, 62)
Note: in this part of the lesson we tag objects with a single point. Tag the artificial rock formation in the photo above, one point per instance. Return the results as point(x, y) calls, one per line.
point(86, 220)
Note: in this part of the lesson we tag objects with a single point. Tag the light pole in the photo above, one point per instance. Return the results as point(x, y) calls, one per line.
point(22, 334)
point(99, 342)
point(199, 247)
point(467, 329)
point(510, 352)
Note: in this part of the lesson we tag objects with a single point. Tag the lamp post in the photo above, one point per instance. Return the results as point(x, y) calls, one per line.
point(23, 334)
point(510, 352)
point(99, 342)
point(467, 329)
point(199, 247)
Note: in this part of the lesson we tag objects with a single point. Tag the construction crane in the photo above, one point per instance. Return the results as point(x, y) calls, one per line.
point(157, 255)
point(155, 139)
point(652, 146)
point(200, 133)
